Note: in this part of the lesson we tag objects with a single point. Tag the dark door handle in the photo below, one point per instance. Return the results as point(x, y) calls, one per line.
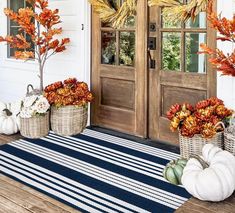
point(152, 62)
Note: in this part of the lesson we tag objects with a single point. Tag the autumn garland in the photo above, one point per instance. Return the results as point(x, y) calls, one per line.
point(173, 9)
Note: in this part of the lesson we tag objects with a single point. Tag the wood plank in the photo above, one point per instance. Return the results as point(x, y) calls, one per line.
point(123, 74)
point(6, 138)
point(27, 200)
point(8, 206)
point(226, 206)
point(141, 120)
point(184, 79)
point(189, 207)
point(38, 195)
point(118, 93)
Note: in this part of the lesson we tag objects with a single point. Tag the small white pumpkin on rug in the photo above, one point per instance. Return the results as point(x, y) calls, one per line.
point(212, 176)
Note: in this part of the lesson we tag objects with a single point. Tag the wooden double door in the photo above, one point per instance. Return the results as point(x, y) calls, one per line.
point(140, 70)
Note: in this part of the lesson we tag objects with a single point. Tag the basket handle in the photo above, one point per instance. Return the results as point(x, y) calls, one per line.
point(28, 88)
point(220, 123)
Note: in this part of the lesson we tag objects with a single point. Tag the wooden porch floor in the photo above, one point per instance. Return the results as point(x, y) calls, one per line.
point(18, 198)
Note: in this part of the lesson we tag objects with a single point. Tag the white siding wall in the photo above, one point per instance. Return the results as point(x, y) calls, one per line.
point(226, 85)
point(15, 74)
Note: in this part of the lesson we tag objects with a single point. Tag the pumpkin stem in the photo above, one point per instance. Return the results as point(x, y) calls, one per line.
point(201, 161)
point(8, 112)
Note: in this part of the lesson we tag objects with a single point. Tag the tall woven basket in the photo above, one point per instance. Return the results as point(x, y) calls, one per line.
point(194, 145)
point(229, 137)
point(68, 120)
point(35, 127)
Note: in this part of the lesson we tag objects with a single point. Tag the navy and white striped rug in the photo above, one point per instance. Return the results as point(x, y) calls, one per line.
point(94, 172)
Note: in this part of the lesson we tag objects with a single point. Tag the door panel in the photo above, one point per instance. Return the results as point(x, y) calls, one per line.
point(119, 74)
point(181, 75)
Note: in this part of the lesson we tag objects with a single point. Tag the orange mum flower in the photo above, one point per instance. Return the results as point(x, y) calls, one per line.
point(71, 92)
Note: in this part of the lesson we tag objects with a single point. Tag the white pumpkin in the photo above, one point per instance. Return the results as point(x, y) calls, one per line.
point(216, 182)
point(3, 106)
point(8, 123)
point(15, 107)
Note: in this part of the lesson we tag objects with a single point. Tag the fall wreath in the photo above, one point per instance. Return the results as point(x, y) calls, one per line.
point(110, 12)
point(174, 10)
point(177, 11)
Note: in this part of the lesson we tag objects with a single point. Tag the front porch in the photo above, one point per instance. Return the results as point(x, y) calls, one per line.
point(109, 133)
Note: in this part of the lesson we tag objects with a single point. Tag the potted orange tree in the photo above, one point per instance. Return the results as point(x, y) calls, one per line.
point(38, 23)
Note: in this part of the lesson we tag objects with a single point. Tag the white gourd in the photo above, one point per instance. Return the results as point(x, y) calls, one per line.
point(9, 121)
point(214, 183)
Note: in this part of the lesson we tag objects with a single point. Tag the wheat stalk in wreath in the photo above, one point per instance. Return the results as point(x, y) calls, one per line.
point(173, 9)
point(115, 16)
point(176, 11)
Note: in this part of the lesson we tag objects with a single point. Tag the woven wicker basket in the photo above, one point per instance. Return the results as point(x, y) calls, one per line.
point(194, 145)
point(68, 120)
point(35, 127)
point(229, 137)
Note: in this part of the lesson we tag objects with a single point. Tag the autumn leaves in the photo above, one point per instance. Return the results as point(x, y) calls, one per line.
point(40, 27)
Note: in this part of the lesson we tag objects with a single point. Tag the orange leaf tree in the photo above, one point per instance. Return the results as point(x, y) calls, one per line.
point(224, 63)
point(40, 27)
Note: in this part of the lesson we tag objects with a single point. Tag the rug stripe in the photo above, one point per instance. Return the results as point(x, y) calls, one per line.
point(59, 158)
point(106, 153)
point(30, 181)
point(100, 157)
point(48, 175)
point(87, 165)
point(126, 157)
point(95, 172)
point(80, 163)
point(131, 144)
point(144, 203)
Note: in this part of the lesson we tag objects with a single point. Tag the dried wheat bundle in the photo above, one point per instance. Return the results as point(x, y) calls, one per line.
point(176, 11)
point(103, 8)
point(109, 14)
point(164, 3)
point(127, 9)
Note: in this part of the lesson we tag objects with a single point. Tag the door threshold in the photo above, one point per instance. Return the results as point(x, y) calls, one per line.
point(146, 141)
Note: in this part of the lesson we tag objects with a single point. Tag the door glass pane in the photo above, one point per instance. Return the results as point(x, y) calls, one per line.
point(169, 24)
point(108, 47)
point(195, 62)
point(130, 22)
point(127, 48)
point(171, 49)
point(200, 21)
